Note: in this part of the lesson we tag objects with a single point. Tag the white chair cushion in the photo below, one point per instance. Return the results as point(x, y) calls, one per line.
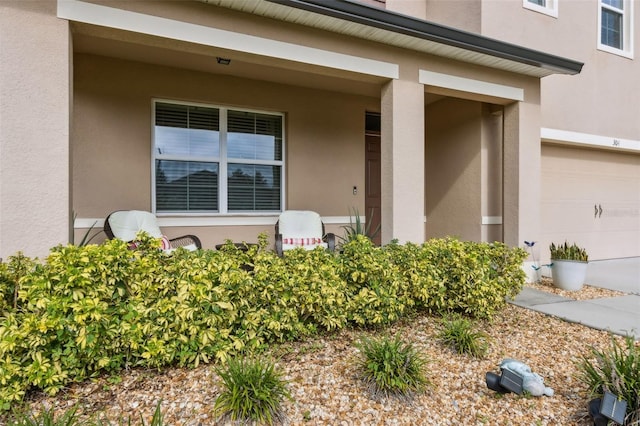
point(126, 224)
point(300, 224)
point(300, 228)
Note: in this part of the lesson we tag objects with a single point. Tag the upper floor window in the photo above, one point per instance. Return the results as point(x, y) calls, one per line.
point(616, 26)
point(548, 7)
point(210, 159)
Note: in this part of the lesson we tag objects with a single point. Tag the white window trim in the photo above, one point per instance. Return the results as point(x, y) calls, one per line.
point(627, 30)
point(176, 221)
point(222, 162)
point(550, 9)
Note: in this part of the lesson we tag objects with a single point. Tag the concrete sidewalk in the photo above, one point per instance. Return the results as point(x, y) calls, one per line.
point(619, 315)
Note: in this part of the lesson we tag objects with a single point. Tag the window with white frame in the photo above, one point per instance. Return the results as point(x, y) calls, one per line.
point(548, 7)
point(615, 25)
point(213, 159)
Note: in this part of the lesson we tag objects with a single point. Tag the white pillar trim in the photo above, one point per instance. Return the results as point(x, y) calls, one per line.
point(480, 87)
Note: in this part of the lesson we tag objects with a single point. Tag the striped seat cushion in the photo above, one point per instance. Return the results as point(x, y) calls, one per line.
point(302, 241)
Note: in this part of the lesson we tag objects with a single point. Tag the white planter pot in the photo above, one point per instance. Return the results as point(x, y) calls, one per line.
point(568, 274)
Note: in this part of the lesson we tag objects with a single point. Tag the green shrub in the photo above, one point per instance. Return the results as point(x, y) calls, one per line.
point(10, 275)
point(377, 292)
point(97, 309)
point(458, 333)
point(253, 390)
point(390, 367)
point(448, 275)
point(616, 370)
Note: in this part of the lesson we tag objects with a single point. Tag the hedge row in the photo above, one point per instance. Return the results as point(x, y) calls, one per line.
point(100, 308)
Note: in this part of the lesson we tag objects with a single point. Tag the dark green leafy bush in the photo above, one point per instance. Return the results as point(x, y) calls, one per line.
point(97, 309)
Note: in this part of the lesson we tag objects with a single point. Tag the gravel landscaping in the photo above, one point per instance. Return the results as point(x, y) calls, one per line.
point(325, 391)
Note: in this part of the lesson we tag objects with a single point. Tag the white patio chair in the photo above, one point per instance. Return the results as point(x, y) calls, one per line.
point(125, 224)
point(302, 228)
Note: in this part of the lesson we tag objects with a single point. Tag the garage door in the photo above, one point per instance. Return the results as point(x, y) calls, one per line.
point(591, 197)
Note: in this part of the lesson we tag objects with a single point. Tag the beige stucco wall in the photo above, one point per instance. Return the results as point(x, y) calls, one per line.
point(462, 14)
point(324, 109)
point(603, 98)
point(112, 137)
point(453, 169)
point(323, 136)
point(35, 65)
point(491, 172)
point(415, 8)
point(402, 162)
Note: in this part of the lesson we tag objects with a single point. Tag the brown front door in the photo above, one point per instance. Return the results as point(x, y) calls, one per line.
point(373, 177)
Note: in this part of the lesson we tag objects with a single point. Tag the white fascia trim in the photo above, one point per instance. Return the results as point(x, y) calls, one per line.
point(452, 82)
point(98, 223)
point(584, 139)
point(492, 220)
point(89, 13)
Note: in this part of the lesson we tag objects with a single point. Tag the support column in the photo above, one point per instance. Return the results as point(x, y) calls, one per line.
point(522, 174)
point(402, 152)
point(35, 90)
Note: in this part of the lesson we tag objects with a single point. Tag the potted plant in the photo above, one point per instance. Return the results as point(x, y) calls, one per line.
point(568, 266)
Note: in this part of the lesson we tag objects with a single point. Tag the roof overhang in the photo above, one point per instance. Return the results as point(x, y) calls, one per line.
point(360, 20)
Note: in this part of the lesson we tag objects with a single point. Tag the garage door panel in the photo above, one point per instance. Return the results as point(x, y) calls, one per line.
point(593, 198)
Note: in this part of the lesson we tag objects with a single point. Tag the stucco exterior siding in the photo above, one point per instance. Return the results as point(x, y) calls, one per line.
point(453, 169)
point(324, 135)
point(35, 107)
point(113, 58)
point(601, 99)
point(402, 149)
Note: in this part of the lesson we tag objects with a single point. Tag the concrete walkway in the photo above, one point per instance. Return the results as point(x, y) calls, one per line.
point(619, 315)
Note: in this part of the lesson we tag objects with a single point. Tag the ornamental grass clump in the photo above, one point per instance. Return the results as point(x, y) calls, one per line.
point(253, 391)
point(46, 418)
point(390, 367)
point(458, 333)
point(616, 370)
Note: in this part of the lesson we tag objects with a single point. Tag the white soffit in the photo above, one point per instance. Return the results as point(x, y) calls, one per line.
point(89, 13)
point(566, 137)
point(469, 85)
point(354, 29)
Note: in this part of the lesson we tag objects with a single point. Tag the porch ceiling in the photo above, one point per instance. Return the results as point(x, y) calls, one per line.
point(102, 41)
point(376, 24)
